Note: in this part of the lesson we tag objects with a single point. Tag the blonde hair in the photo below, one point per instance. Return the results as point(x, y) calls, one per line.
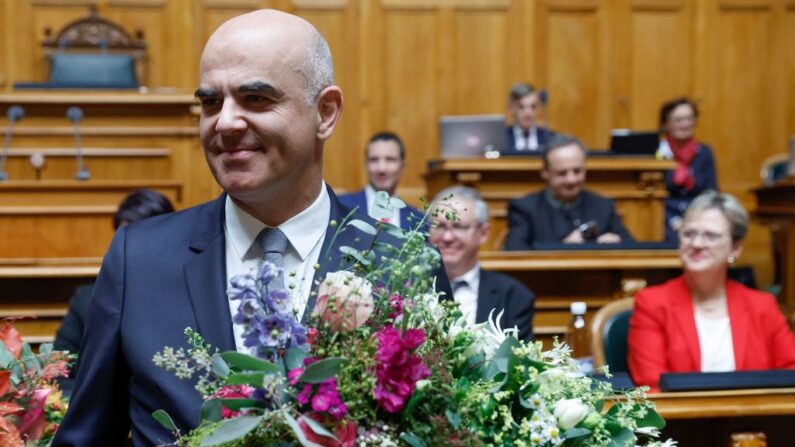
point(726, 204)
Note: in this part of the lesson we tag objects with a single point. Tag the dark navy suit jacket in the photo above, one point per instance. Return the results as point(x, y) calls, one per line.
point(359, 199)
point(501, 292)
point(160, 276)
point(532, 219)
point(542, 134)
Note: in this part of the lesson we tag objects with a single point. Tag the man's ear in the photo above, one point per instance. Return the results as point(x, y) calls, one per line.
point(544, 173)
point(329, 108)
point(483, 235)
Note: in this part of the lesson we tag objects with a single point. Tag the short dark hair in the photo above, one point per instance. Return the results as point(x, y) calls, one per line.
point(559, 140)
point(668, 108)
point(386, 135)
point(140, 204)
point(519, 91)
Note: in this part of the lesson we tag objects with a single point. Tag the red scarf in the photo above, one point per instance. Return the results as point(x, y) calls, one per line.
point(684, 153)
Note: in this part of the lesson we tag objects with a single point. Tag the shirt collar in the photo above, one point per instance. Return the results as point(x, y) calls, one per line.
point(557, 204)
point(301, 230)
point(369, 194)
point(471, 277)
point(519, 133)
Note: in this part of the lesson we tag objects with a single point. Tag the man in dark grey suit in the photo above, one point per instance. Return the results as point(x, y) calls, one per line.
point(564, 211)
point(525, 136)
point(477, 291)
point(268, 104)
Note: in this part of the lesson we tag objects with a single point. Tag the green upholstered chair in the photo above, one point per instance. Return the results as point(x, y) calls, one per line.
point(609, 330)
point(774, 168)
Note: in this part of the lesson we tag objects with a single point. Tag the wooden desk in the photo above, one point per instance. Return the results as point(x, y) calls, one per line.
point(595, 276)
point(776, 206)
point(635, 183)
point(130, 140)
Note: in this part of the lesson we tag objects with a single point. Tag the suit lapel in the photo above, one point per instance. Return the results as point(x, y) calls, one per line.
point(486, 297)
point(740, 320)
point(682, 309)
point(205, 276)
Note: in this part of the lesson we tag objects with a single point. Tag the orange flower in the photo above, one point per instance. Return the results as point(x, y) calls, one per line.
point(11, 337)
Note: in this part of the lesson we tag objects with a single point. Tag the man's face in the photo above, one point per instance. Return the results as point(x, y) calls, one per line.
point(459, 241)
point(384, 165)
point(258, 134)
point(525, 110)
point(565, 172)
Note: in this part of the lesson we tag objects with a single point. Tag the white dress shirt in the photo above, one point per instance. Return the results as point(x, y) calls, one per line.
point(715, 343)
point(467, 295)
point(306, 239)
point(369, 194)
point(522, 143)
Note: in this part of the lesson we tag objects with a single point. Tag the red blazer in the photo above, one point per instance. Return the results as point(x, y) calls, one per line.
point(663, 335)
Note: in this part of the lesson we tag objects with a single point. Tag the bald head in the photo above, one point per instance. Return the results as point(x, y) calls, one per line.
point(298, 43)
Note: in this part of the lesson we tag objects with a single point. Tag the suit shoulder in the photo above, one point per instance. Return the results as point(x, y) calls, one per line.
point(757, 298)
point(597, 198)
point(500, 280)
point(528, 200)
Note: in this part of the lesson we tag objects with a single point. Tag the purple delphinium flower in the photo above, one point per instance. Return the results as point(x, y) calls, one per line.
point(243, 287)
point(268, 272)
point(278, 301)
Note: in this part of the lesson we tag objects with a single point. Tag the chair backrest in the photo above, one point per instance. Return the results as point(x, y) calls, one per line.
point(774, 168)
point(609, 330)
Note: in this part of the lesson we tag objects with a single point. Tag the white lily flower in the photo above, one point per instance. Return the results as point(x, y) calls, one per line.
point(648, 431)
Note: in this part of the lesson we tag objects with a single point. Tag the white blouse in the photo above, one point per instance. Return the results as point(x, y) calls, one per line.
point(715, 341)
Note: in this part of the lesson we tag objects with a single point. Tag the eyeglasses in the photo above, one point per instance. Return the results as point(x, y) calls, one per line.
point(689, 235)
point(458, 228)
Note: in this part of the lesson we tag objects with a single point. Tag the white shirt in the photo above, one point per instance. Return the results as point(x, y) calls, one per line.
point(467, 295)
point(305, 238)
point(369, 194)
point(525, 144)
point(716, 344)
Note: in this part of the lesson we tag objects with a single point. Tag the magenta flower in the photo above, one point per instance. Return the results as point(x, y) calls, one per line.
point(397, 368)
point(232, 392)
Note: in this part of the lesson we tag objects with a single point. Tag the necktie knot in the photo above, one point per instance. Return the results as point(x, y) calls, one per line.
point(457, 284)
point(272, 240)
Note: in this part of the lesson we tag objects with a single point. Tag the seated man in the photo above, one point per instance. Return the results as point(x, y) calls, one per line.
point(524, 136)
point(563, 211)
point(385, 158)
point(478, 291)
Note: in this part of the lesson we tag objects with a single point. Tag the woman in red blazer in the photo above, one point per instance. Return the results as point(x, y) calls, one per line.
point(701, 321)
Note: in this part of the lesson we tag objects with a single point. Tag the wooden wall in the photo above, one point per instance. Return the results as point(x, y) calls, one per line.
point(403, 63)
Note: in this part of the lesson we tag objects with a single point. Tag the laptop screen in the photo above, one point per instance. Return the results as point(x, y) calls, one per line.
point(469, 136)
point(625, 142)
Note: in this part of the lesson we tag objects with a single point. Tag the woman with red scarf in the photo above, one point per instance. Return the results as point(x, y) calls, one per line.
point(695, 172)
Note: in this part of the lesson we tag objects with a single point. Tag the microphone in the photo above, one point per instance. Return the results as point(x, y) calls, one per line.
point(75, 115)
point(15, 113)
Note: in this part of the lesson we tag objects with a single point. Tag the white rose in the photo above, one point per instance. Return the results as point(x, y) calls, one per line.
point(570, 412)
point(345, 301)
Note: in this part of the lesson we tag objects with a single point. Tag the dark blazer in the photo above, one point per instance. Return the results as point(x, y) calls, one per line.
point(703, 169)
point(359, 199)
point(160, 276)
point(71, 330)
point(663, 335)
point(532, 219)
point(499, 291)
point(543, 135)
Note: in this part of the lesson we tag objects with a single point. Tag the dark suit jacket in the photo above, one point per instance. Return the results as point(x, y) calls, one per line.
point(663, 335)
point(160, 276)
point(499, 291)
point(359, 199)
point(542, 134)
point(532, 219)
point(71, 330)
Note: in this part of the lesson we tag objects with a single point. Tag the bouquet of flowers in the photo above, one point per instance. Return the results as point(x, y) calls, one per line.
point(386, 361)
point(31, 405)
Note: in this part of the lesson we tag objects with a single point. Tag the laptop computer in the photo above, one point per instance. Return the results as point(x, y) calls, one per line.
point(626, 142)
point(470, 136)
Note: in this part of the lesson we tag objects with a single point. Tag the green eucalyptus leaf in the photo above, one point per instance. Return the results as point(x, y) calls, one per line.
point(6, 357)
point(244, 362)
point(412, 439)
point(219, 366)
point(453, 418)
point(577, 432)
point(294, 358)
point(237, 404)
point(363, 226)
point(322, 370)
point(165, 420)
point(356, 254)
point(396, 203)
point(393, 230)
point(232, 430)
point(45, 350)
point(210, 410)
point(622, 438)
point(254, 379)
point(652, 419)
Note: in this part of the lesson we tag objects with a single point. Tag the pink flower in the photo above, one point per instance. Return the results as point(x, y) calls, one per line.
point(32, 419)
point(345, 431)
point(232, 392)
point(397, 368)
point(345, 301)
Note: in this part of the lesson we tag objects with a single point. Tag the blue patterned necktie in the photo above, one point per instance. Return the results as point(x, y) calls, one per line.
point(273, 243)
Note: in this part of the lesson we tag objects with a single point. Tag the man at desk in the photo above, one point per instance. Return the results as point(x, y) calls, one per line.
point(385, 159)
point(564, 211)
point(525, 137)
point(478, 291)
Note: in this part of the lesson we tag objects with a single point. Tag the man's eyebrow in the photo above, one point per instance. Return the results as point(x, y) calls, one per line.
point(204, 93)
point(260, 87)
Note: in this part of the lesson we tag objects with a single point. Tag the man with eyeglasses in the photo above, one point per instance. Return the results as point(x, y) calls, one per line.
point(564, 211)
point(477, 291)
